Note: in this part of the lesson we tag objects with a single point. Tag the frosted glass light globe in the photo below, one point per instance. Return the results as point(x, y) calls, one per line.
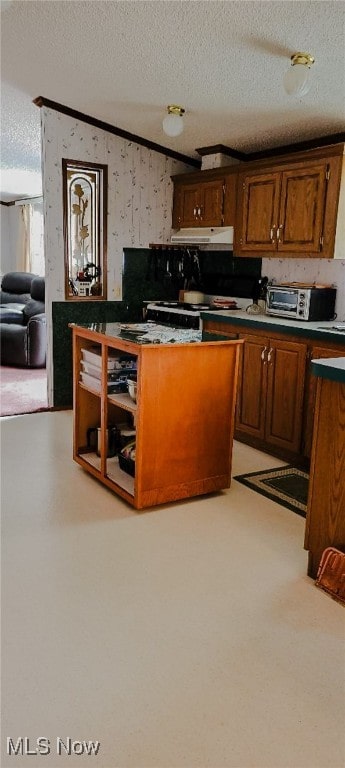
point(297, 78)
point(173, 125)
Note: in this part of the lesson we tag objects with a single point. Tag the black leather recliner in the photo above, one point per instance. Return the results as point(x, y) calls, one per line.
point(23, 336)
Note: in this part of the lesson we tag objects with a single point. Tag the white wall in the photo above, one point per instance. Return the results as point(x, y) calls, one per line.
point(139, 199)
point(328, 271)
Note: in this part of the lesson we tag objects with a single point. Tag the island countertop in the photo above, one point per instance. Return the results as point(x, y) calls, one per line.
point(143, 333)
point(332, 368)
point(325, 330)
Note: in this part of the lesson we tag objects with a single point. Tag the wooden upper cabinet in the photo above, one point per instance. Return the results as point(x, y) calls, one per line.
point(212, 197)
point(198, 205)
point(302, 202)
point(189, 205)
point(230, 199)
point(286, 207)
point(260, 211)
point(289, 209)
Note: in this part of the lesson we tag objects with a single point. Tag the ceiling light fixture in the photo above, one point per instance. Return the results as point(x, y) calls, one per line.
point(297, 78)
point(173, 122)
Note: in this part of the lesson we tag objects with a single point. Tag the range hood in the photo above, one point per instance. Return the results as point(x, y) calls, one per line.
point(204, 235)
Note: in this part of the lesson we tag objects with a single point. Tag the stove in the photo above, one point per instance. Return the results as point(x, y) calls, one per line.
point(182, 315)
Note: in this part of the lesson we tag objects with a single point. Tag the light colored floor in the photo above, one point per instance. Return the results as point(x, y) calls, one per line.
point(185, 637)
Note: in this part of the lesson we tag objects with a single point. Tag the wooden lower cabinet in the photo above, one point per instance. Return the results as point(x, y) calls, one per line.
point(252, 388)
point(271, 391)
point(183, 418)
point(276, 392)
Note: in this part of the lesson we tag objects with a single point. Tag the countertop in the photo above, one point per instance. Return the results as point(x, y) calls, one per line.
point(143, 333)
point(315, 330)
point(329, 368)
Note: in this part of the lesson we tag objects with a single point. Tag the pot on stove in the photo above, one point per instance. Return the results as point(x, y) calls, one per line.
point(194, 297)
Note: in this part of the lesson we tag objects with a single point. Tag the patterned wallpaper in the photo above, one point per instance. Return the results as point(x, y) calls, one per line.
point(139, 199)
point(325, 271)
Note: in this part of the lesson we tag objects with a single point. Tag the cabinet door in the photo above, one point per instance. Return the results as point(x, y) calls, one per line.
point(177, 207)
point(310, 394)
point(260, 208)
point(251, 396)
point(230, 200)
point(302, 204)
point(189, 205)
point(198, 205)
point(210, 199)
point(286, 362)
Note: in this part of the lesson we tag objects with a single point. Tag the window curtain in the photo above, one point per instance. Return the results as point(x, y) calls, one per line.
point(36, 239)
point(30, 239)
point(23, 250)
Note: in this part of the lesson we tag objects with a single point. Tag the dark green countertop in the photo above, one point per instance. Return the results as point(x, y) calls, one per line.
point(144, 333)
point(332, 368)
point(313, 330)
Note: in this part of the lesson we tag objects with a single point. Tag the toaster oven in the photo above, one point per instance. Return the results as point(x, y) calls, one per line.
point(301, 302)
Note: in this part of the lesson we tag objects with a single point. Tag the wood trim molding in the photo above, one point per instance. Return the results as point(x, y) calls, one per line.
point(222, 149)
point(301, 146)
point(287, 149)
point(41, 101)
point(13, 202)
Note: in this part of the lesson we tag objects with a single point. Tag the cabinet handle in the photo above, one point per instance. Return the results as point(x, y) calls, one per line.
point(281, 227)
point(274, 226)
point(270, 354)
point(200, 213)
point(263, 355)
point(194, 212)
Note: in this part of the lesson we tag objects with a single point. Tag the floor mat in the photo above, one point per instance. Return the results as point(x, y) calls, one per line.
point(23, 390)
point(285, 485)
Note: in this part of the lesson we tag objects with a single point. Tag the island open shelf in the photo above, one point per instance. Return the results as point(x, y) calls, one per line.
point(183, 420)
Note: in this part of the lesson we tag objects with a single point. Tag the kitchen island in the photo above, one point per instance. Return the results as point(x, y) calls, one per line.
point(325, 525)
point(183, 417)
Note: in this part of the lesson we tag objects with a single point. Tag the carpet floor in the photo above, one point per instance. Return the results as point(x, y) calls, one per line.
point(23, 390)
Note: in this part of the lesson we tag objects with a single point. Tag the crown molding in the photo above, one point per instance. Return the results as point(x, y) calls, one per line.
point(286, 149)
point(41, 101)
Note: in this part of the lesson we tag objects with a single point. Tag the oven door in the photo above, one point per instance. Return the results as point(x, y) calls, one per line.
point(282, 302)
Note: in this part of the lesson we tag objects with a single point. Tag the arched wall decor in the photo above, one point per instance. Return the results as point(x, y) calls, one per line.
point(85, 229)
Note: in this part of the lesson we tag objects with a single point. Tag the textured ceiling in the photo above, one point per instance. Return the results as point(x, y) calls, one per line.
point(124, 61)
